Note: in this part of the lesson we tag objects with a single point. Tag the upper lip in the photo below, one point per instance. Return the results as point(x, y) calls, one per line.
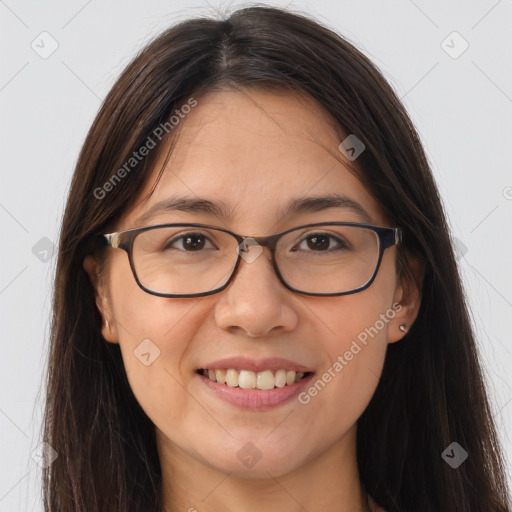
point(244, 363)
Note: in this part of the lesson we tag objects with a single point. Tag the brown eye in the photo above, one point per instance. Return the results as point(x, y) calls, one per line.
point(190, 242)
point(320, 242)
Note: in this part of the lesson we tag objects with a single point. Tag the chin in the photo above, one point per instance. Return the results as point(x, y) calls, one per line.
point(255, 459)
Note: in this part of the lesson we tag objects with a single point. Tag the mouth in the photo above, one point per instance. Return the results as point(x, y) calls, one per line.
point(247, 379)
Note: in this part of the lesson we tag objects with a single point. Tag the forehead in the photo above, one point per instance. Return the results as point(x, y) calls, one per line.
point(254, 151)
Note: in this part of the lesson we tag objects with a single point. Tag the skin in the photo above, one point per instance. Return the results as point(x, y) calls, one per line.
point(263, 148)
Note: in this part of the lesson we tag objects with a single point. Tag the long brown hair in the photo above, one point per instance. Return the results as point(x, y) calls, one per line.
point(431, 392)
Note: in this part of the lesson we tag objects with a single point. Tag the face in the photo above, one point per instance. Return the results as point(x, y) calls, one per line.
point(254, 151)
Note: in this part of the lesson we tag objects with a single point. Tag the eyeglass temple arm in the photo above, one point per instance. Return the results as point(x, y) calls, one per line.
point(398, 236)
point(391, 236)
point(112, 239)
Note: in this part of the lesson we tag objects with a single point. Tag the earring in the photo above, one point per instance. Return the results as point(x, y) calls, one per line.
point(403, 327)
point(106, 323)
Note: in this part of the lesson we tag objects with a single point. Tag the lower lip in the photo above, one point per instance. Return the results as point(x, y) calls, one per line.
point(257, 399)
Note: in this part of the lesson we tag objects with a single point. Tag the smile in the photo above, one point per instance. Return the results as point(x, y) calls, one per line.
point(247, 379)
point(257, 391)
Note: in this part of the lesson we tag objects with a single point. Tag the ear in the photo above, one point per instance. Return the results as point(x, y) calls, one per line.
point(407, 300)
point(102, 297)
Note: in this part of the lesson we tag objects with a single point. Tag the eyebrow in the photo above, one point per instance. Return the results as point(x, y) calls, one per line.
point(224, 211)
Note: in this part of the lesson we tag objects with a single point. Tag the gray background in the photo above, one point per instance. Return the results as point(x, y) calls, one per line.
point(461, 105)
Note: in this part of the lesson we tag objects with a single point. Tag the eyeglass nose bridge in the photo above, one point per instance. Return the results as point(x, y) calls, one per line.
point(263, 241)
point(244, 245)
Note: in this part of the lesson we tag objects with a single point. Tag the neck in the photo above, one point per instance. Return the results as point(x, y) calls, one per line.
point(327, 481)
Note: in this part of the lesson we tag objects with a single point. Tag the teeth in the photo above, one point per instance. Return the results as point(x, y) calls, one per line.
point(247, 379)
point(231, 378)
point(265, 380)
point(220, 376)
point(280, 379)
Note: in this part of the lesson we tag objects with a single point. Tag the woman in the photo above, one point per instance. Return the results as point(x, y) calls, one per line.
point(257, 305)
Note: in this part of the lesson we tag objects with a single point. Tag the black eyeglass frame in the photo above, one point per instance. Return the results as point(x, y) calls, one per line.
point(124, 240)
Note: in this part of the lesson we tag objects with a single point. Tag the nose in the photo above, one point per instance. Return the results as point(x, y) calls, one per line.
point(255, 302)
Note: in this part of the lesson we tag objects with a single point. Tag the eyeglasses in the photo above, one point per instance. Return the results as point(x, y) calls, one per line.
point(194, 260)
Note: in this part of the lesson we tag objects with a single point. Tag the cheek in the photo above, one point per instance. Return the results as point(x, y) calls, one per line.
point(154, 334)
point(342, 389)
point(354, 344)
point(141, 316)
point(355, 325)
